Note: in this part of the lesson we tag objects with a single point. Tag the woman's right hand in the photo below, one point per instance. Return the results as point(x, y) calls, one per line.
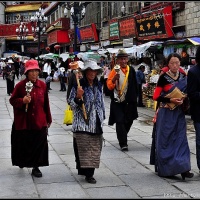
point(27, 99)
point(80, 92)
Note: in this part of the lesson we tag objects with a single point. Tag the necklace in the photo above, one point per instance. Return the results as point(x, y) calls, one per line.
point(173, 75)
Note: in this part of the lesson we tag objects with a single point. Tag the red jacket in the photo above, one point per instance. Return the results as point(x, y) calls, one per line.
point(38, 114)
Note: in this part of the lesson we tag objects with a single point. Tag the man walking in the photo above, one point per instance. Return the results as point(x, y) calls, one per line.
point(123, 106)
point(193, 90)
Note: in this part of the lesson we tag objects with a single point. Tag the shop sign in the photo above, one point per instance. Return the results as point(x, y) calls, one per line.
point(7, 30)
point(89, 33)
point(83, 47)
point(59, 36)
point(113, 29)
point(104, 33)
point(94, 47)
point(127, 27)
point(105, 43)
point(156, 24)
point(128, 42)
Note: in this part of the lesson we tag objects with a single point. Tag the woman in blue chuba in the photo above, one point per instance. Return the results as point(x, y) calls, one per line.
point(171, 144)
point(88, 108)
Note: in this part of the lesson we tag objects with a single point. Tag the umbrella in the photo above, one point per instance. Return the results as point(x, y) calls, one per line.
point(50, 56)
point(64, 56)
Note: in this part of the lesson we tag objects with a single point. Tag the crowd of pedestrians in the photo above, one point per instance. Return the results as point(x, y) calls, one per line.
point(86, 83)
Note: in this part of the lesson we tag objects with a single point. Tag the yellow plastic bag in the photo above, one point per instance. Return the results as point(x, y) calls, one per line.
point(68, 116)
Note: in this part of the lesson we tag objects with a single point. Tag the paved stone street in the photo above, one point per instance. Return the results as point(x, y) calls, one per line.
point(122, 175)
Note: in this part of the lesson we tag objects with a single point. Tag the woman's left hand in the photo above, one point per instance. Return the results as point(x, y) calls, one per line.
point(176, 101)
point(48, 125)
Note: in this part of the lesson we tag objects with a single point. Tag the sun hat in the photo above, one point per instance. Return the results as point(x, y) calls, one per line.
point(80, 64)
point(10, 61)
point(121, 53)
point(31, 64)
point(92, 64)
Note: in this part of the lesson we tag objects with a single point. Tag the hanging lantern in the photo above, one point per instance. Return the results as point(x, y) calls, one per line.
point(48, 48)
point(57, 47)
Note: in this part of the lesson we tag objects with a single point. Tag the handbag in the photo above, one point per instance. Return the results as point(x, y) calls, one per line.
point(68, 115)
point(176, 93)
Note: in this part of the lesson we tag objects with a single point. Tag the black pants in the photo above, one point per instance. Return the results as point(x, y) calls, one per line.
point(140, 103)
point(105, 88)
point(62, 84)
point(88, 172)
point(48, 85)
point(45, 74)
point(10, 86)
point(122, 130)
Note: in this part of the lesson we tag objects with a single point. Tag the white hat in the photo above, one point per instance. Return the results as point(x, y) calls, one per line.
point(92, 64)
point(80, 64)
point(10, 61)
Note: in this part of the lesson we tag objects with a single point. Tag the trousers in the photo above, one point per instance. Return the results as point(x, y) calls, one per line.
point(122, 130)
point(197, 130)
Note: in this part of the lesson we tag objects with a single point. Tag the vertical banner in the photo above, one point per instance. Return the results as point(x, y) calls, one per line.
point(127, 28)
point(78, 34)
point(113, 29)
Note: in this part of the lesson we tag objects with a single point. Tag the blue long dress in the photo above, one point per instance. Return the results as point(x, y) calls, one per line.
point(172, 149)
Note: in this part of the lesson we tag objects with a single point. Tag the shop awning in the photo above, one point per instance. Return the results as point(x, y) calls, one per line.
point(194, 40)
point(22, 7)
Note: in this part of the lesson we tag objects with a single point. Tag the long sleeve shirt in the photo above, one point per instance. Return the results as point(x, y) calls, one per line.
point(38, 114)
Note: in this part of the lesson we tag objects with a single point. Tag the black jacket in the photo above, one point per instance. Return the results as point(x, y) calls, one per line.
point(193, 91)
point(125, 111)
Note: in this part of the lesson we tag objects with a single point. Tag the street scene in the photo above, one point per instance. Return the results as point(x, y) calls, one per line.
point(128, 74)
point(120, 175)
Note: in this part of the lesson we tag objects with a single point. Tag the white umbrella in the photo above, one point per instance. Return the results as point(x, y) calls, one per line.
point(64, 56)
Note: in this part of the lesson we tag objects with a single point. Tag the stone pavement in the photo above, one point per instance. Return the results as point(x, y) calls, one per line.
point(123, 175)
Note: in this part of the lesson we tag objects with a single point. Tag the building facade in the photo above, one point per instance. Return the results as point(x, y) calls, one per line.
point(105, 24)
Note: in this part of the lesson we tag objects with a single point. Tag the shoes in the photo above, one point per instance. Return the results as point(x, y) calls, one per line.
point(90, 180)
point(187, 175)
point(36, 172)
point(50, 89)
point(124, 148)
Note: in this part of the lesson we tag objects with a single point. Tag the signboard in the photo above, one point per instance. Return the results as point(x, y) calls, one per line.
point(127, 28)
point(7, 30)
point(128, 42)
point(157, 24)
point(113, 29)
point(58, 36)
point(89, 33)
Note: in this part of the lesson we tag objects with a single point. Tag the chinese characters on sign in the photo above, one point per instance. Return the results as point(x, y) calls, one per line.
point(127, 27)
point(113, 30)
point(89, 33)
point(155, 24)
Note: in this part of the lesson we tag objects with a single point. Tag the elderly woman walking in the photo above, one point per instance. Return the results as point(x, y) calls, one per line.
point(87, 103)
point(32, 118)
